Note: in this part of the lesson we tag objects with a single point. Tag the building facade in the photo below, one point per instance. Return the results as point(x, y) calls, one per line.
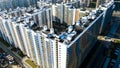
point(32, 31)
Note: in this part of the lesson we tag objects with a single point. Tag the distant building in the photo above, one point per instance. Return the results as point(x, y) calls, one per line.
point(6, 4)
point(58, 11)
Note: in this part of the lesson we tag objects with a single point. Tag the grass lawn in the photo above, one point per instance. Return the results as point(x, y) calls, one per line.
point(117, 42)
point(31, 63)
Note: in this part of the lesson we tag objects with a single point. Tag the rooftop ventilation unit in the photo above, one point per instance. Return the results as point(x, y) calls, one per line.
point(62, 36)
point(27, 20)
point(84, 20)
point(82, 26)
point(70, 28)
point(69, 37)
point(10, 16)
point(78, 23)
point(91, 16)
point(14, 18)
point(52, 31)
point(29, 8)
point(35, 10)
point(4, 14)
point(45, 28)
point(73, 33)
point(23, 10)
point(31, 23)
point(24, 15)
point(19, 18)
point(10, 10)
point(91, 13)
point(18, 8)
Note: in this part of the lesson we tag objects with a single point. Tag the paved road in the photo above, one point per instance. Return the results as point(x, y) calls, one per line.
point(16, 57)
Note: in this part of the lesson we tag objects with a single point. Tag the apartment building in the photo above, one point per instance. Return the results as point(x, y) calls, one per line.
point(52, 44)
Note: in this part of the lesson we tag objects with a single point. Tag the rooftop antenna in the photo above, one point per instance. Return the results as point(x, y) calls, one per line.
point(52, 30)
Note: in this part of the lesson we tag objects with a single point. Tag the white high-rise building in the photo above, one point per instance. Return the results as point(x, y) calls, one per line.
point(51, 45)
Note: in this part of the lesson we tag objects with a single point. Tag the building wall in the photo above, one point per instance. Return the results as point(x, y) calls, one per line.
point(5, 28)
point(107, 17)
point(77, 15)
point(66, 13)
point(71, 16)
point(45, 50)
point(77, 52)
point(20, 34)
point(62, 55)
point(58, 12)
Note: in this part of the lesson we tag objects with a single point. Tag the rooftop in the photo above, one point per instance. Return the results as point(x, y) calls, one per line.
point(65, 33)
